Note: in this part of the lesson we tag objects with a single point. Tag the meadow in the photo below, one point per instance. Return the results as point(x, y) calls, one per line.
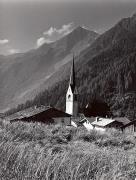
point(34, 151)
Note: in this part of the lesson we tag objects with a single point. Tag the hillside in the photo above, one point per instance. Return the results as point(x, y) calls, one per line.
point(22, 76)
point(107, 69)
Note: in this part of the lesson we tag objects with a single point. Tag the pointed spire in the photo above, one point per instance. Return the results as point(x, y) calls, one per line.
point(72, 75)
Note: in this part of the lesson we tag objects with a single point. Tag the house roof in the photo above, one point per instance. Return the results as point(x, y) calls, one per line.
point(48, 111)
point(26, 112)
point(130, 123)
point(103, 122)
point(123, 120)
point(90, 119)
point(54, 113)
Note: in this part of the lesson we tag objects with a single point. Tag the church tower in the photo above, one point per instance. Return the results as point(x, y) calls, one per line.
point(72, 94)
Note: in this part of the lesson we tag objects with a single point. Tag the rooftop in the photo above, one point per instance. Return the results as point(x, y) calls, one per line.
point(130, 123)
point(90, 119)
point(103, 122)
point(35, 111)
point(123, 120)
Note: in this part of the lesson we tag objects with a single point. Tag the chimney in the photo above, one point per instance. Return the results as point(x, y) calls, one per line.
point(97, 119)
point(35, 107)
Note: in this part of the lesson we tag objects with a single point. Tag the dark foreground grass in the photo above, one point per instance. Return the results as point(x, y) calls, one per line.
point(39, 152)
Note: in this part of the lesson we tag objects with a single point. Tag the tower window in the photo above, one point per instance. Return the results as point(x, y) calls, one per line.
point(69, 96)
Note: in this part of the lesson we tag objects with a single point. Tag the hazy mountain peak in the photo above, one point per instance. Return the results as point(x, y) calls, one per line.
point(84, 29)
point(81, 28)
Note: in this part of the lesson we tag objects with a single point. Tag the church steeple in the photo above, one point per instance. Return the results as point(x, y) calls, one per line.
point(72, 81)
point(72, 94)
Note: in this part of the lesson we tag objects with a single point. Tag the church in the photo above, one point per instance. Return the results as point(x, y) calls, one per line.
point(72, 94)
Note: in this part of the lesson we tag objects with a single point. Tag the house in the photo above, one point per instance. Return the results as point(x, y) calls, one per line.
point(87, 122)
point(130, 127)
point(104, 123)
point(100, 123)
point(123, 120)
point(44, 114)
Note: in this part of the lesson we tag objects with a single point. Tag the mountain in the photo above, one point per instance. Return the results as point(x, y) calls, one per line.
point(24, 75)
point(105, 69)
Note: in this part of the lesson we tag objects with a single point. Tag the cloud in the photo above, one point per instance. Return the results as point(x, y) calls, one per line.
point(65, 29)
point(13, 51)
point(4, 41)
point(53, 34)
point(41, 41)
point(6, 48)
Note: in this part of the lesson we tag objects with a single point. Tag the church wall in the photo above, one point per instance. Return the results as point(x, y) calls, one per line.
point(69, 107)
point(71, 103)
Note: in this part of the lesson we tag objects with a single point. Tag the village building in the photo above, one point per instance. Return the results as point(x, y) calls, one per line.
point(104, 123)
point(101, 123)
point(87, 122)
point(130, 127)
point(43, 114)
point(123, 120)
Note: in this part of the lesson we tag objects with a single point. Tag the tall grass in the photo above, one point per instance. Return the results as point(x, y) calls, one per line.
point(33, 151)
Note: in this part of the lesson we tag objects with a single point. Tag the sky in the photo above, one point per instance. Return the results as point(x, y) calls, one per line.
point(27, 24)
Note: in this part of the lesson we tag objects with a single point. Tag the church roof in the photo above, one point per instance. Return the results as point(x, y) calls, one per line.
point(72, 81)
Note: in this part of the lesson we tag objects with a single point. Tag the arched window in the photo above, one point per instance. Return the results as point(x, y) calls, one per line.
point(69, 96)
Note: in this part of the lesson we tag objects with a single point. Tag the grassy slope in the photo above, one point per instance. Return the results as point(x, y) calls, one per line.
point(35, 151)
